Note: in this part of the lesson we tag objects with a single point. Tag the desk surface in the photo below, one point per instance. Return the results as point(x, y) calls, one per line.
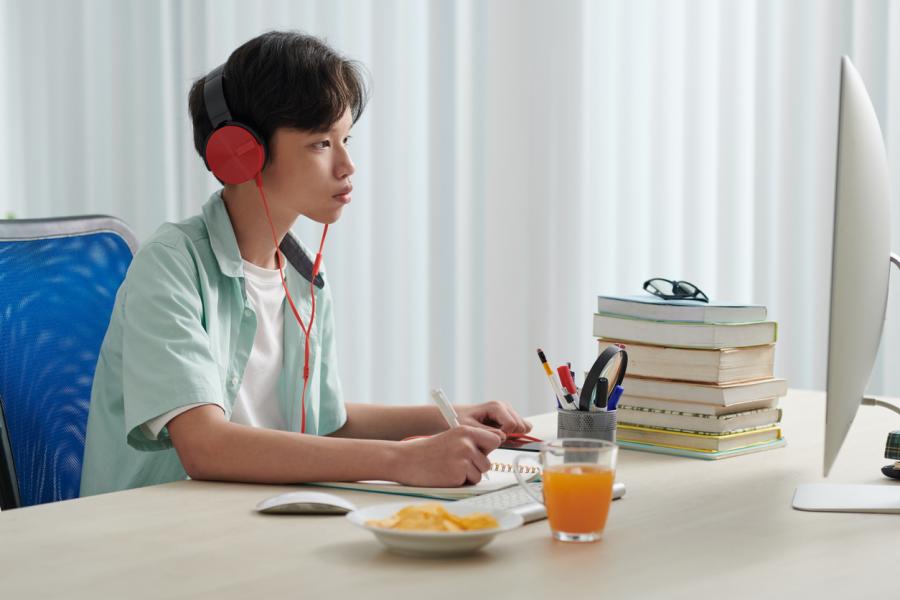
point(686, 528)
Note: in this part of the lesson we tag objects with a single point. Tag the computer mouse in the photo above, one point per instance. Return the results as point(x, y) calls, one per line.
point(306, 503)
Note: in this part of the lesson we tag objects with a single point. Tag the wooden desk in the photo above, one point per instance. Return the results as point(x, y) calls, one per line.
point(685, 529)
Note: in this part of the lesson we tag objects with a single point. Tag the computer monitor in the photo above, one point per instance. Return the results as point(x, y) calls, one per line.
point(860, 268)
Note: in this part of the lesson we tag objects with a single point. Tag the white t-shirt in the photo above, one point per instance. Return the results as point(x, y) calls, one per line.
point(256, 403)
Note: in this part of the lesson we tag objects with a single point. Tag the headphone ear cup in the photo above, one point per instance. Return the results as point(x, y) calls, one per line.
point(234, 154)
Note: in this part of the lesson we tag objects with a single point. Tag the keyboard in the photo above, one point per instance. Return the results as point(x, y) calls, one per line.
point(515, 499)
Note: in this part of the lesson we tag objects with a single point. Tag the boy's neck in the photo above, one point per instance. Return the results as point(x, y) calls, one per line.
point(251, 228)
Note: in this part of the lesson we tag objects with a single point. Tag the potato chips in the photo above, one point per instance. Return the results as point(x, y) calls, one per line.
point(434, 517)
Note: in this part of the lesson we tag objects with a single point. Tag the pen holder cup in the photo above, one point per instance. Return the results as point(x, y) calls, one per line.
point(599, 425)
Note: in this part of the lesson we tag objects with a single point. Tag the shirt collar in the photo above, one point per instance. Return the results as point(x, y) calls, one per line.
point(221, 236)
point(225, 248)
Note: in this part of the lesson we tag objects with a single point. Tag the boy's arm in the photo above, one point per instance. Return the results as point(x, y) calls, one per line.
point(210, 447)
point(370, 421)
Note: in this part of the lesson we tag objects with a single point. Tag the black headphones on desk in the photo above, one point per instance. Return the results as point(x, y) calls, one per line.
point(610, 365)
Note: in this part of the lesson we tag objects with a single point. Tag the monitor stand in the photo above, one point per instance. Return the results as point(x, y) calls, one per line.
point(853, 498)
point(842, 497)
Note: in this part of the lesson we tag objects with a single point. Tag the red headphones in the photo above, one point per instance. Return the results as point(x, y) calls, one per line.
point(233, 151)
point(236, 154)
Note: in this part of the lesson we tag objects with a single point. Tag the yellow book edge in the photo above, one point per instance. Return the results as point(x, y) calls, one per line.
point(698, 435)
point(685, 448)
point(705, 434)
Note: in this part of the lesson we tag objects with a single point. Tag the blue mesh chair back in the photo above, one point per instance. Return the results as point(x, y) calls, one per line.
point(58, 283)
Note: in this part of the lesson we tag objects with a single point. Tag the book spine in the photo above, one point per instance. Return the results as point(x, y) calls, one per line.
point(695, 441)
point(698, 432)
point(691, 449)
point(695, 434)
point(684, 334)
point(687, 453)
point(686, 422)
point(718, 395)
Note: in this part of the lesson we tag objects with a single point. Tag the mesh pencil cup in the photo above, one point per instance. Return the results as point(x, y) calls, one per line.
point(600, 425)
point(605, 374)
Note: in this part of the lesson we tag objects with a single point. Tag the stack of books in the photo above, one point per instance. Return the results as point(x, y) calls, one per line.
point(700, 379)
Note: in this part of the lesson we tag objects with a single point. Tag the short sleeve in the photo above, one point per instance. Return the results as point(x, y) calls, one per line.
point(152, 428)
point(166, 358)
point(333, 413)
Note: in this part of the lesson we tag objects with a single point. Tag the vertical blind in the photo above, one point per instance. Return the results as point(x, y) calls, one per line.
point(517, 159)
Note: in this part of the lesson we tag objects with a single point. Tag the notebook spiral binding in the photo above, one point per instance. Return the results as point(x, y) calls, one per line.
point(508, 468)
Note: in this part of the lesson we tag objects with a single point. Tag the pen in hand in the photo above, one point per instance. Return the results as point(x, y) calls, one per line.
point(445, 407)
point(447, 411)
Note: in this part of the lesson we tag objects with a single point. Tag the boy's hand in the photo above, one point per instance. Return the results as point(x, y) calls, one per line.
point(449, 459)
point(493, 415)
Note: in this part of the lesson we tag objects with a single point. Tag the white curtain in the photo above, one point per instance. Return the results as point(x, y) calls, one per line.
point(517, 159)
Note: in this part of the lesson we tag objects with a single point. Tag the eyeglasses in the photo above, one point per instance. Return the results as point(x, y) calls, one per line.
point(675, 290)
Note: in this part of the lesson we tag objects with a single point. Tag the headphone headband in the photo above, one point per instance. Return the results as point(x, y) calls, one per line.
point(232, 151)
point(214, 97)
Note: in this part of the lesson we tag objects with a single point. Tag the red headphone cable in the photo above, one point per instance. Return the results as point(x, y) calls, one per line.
point(312, 315)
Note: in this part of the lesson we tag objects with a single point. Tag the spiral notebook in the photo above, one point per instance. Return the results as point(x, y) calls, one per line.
point(500, 476)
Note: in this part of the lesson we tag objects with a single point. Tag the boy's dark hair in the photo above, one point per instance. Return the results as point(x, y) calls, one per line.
point(283, 79)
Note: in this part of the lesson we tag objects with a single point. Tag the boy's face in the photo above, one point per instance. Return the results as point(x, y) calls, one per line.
point(309, 173)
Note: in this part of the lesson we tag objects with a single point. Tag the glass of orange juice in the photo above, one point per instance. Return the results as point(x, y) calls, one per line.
point(578, 475)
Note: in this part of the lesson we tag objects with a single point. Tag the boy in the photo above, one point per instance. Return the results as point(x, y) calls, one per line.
point(201, 370)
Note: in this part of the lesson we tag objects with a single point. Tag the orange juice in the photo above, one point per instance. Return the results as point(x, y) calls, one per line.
point(578, 497)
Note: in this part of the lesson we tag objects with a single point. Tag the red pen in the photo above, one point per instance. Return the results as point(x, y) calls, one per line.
point(565, 376)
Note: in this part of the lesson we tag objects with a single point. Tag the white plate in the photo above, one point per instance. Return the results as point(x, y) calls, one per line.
point(433, 543)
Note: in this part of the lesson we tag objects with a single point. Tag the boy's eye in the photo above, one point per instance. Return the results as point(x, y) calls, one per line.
point(327, 143)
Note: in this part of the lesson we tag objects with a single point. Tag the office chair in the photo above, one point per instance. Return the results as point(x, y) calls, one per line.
point(58, 283)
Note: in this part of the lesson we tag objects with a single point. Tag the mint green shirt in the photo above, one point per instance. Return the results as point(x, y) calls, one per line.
point(181, 332)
